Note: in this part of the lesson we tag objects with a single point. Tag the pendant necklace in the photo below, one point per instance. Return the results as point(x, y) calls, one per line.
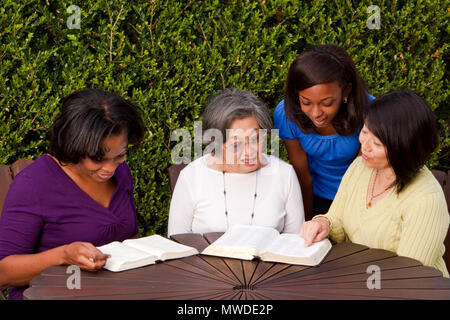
point(372, 196)
point(254, 197)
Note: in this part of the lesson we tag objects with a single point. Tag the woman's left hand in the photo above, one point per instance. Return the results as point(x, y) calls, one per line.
point(315, 230)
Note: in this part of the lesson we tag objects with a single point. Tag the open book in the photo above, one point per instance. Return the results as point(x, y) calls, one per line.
point(247, 242)
point(134, 253)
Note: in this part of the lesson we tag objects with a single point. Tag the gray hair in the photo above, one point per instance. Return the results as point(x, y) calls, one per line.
point(232, 104)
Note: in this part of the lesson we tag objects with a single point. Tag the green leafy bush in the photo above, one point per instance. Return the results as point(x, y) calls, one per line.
point(168, 57)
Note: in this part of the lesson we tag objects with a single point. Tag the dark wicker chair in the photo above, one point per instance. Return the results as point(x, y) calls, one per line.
point(444, 180)
point(174, 172)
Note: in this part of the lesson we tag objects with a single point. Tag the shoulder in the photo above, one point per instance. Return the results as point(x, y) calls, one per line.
point(123, 171)
point(287, 129)
point(196, 168)
point(277, 166)
point(41, 172)
point(279, 111)
point(32, 183)
point(358, 165)
point(424, 184)
point(123, 175)
point(424, 197)
point(356, 169)
point(273, 160)
point(193, 177)
point(279, 116)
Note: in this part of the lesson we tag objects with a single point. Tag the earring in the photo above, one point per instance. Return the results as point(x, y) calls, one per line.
point(344, 100)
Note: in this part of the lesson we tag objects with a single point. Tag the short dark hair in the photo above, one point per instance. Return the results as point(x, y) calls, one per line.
point(321, 64)
point(86, 118)
point(407, 127)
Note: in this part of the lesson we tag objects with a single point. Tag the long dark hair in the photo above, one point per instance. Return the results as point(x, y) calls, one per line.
point(324, 64)
point(86, 118)
point(407, 127)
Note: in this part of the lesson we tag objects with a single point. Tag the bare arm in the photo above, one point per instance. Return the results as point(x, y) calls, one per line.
point(299, 160)
point(21, 268)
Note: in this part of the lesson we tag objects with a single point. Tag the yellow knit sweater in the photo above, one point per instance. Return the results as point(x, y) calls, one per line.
point(412, 224)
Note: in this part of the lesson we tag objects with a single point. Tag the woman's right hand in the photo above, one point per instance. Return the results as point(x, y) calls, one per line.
point(85, 255)
point(315, 230)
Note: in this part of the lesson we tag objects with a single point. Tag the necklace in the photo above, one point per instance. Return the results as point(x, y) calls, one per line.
point(254, 197)
point(372, 196)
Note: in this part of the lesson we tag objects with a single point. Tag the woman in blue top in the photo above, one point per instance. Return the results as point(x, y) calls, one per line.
point(320, 120)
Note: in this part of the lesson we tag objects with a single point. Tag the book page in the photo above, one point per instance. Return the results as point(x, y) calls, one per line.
point(122, 254)
point(292, 245)
point(242, 237)
point(158, 246)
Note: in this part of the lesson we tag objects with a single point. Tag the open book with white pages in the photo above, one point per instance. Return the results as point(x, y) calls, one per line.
point(249, 242)
point(134, 253)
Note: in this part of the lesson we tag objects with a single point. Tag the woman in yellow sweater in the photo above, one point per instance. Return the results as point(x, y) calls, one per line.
point(388, 199)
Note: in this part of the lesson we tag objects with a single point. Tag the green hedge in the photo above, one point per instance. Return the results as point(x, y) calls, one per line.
point(169, 56)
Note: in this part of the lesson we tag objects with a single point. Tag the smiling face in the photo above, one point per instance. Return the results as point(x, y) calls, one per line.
point(373, 151)
point(321, 102)
point(100, 172)
point(242, 148)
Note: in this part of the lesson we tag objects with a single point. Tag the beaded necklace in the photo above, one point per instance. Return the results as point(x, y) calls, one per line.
point(254, 197)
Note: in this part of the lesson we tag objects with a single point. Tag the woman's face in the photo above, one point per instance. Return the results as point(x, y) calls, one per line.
point(242, 149)
point(321, 102)
point(373, 151)
point(116, 148)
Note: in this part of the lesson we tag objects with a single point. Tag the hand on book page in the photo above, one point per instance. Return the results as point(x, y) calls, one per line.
point(246, 242)
point(315, 230)
point(123, 257)
point(289, 248)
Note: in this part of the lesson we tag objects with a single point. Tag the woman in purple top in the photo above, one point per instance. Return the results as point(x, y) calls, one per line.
point(76, 197)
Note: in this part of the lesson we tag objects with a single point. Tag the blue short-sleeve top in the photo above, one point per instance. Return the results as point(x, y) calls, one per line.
point(328, 156)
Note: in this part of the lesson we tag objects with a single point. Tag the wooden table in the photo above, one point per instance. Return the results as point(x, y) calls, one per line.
point(342, 275)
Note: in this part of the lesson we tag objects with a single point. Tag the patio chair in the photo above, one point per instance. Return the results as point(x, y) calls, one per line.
point(174, 172)
point(444, 180)
point(7, 174)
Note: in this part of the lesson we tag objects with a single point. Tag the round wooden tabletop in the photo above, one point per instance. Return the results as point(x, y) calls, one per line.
point(346, 273)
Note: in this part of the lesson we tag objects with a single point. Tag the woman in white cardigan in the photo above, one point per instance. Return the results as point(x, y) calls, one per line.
point(236, 183)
